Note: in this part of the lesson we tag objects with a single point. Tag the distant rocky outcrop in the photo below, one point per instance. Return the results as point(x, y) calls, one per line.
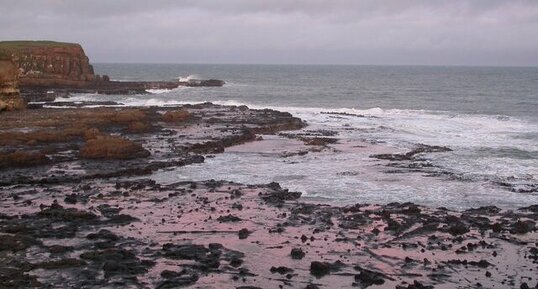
point(10, 98)
point(49, 63)
point(202, 83)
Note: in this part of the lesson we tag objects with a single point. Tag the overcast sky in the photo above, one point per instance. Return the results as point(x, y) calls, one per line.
point(466, 32)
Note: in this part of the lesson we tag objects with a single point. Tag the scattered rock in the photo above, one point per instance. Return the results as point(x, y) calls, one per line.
point(297, 253)
point(281, 270)
point(368, 278)
point(320, 269)
point(458, 228)
point(278, 195)
point(319, 141)
point(244, 233)
point(420, 149)
point(17, 242)
point(186, 251)
point(228, 218)
point(17, 278)
point(61, 264)
point(59, 249)
point(103, 234)
point(416, 285)
point(71, 199)
point(523, 227)
point(59, 213)
point(117, 262)
point(178, 281)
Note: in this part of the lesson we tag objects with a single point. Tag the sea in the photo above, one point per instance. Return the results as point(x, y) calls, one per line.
point(487, 116)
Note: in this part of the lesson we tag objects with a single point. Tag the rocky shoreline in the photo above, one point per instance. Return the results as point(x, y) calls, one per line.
point(45, 145)
point(48, 91)
point(79, 210)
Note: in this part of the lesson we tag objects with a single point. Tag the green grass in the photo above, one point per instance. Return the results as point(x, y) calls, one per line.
point(15, 45)
point(4, 55)
point(7, 48)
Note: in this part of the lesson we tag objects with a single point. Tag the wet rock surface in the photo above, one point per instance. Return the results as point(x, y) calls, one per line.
point(110, 147)
point(140, 234)
point(73, 222)
point(420, 149)
point(66, 145)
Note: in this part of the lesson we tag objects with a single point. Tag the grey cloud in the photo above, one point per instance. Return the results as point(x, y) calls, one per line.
point(485, 32)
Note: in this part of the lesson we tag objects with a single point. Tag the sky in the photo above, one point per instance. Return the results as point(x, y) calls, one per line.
point(370, 32)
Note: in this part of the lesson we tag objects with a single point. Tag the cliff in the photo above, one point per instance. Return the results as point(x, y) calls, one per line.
point(46, 69)
point(49, 63)
point(10, 98)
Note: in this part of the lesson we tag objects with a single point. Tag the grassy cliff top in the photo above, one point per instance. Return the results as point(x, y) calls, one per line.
point(3, 55)
point(14, 45)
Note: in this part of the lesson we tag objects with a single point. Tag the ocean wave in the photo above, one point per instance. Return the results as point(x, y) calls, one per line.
point(497, 121)
point(441, 119)
point(406, 125)
point(188, 78)
point(235, 84)
point(158, 91)
point(78, 97)
point(486, 148)
point(132, 101)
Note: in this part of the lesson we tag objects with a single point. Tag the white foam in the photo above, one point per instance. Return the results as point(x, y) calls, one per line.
point(319, 175)
point(423, 123)
point(158, 91)
point(79, 97)
point(188, 78)
point(466, 134)
point(404, 126)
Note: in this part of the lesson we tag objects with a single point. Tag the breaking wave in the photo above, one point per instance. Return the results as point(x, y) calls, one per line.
point(188, 78)
point(158, 90)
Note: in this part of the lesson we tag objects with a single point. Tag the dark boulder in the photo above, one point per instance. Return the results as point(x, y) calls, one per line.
point(368, 277)
point(297, 253)
point(523, 227)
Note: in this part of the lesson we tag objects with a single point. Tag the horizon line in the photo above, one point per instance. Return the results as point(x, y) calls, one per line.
point(316, 64)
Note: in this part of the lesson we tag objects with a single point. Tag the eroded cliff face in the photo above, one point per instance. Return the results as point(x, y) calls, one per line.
point(10, 98)
point(47, 69)
point(47, 63)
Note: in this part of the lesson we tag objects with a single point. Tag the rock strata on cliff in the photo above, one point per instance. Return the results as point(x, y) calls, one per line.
point(10, 98)
point(46, 63)
point(48, 69)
